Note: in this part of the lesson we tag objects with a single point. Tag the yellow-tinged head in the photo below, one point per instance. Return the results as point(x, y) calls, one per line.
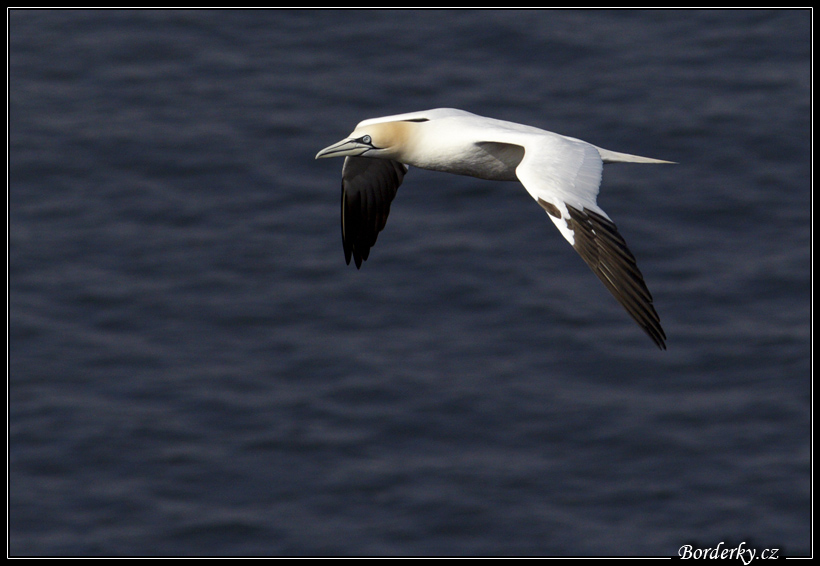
point(380, 139)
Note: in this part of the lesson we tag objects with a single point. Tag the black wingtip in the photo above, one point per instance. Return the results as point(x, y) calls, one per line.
point(599, 243)
point(368, 188)
point(659, 340)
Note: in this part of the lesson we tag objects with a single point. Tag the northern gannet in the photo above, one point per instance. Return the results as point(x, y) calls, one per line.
point(562, 174)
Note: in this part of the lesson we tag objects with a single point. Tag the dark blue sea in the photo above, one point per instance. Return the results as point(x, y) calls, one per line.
point(195, 371)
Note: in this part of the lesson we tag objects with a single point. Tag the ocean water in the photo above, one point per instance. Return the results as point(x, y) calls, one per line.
point(193, 369)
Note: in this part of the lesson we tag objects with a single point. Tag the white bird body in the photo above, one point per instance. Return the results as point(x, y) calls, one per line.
point(562, 174)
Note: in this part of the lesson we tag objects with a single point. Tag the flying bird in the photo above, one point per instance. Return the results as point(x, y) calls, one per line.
point(562, 174)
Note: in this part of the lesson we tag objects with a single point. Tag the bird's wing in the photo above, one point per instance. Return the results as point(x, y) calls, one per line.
point(563, 176)
point(368, 187)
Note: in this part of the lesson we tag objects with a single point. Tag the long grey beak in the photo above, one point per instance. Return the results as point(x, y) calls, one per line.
point(347, 146)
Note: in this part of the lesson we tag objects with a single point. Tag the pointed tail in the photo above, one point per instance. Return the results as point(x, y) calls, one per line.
point(615, 157)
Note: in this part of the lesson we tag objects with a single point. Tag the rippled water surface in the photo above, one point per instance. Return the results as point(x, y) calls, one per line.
point(193, 369)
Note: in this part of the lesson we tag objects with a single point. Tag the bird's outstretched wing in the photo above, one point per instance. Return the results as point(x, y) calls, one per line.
point(563, 175)
point(368, 187)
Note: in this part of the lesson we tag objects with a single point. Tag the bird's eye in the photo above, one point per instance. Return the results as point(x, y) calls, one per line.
point(365, 139)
